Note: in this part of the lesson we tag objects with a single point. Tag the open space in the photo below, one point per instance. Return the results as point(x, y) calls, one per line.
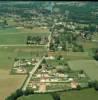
point(19, 36)
point(48, 47)
point(89, 66)
point(9, 83)
point(89, 94)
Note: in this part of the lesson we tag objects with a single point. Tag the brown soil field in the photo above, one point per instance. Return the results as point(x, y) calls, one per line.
point(9, 83)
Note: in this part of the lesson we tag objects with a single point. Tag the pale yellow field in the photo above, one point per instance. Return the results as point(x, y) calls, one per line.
point(9, 83)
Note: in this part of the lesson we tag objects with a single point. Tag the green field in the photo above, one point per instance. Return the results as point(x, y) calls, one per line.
point(19, 36)
point(8, 54)
point(9, 83)
point(72, 55)
point(36, 97)
point(88, 94)
point(89, 66)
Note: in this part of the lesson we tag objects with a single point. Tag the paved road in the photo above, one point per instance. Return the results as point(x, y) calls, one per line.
point(31, 73)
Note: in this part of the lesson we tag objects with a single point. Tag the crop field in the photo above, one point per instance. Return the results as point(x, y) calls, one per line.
point(89, 45)
point(37, 97)
point(10, 36)
point(9, 83)
point(88, 94)
point(8, 54)
point(18, 36)
point(95, 36)
point(72, 55)
point(89, 66)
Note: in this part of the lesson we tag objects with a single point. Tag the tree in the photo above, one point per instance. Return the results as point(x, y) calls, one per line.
point(28, 91)
point(81, 71)
point(80, 48)
point(91, 84)
point(5, 22)
point(96, 54)
point(55, 96)
point(59, 57)
point(29, 39)
point(92, 28)
point(15, 95)
point(86, 28)
point(78, 87)
point(96, 85)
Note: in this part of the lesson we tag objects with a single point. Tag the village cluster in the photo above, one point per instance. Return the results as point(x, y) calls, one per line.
point(65, 35)
point(48, 77)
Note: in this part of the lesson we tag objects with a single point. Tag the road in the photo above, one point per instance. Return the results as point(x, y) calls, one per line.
point(16, 45)
point(31, 73)
point(49, 38)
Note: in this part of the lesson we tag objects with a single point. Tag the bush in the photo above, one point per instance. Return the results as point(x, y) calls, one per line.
point(28, 92)
point(19, 93)
point(90, 84)
point(55, 96)
point(81, 71)
point(96, 57)
point(96, 85)
point(15, 95)
point(78, 87)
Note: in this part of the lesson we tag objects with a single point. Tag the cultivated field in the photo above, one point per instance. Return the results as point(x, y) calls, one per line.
point(8, 54)
point(89, 66)
point(37, 97)
point(9, 83)
point(71, 55)
point(88, 94)
point(18, 35)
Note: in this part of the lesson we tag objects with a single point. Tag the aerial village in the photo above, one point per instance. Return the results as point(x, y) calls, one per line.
point(44, 76)
point(54, 47)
